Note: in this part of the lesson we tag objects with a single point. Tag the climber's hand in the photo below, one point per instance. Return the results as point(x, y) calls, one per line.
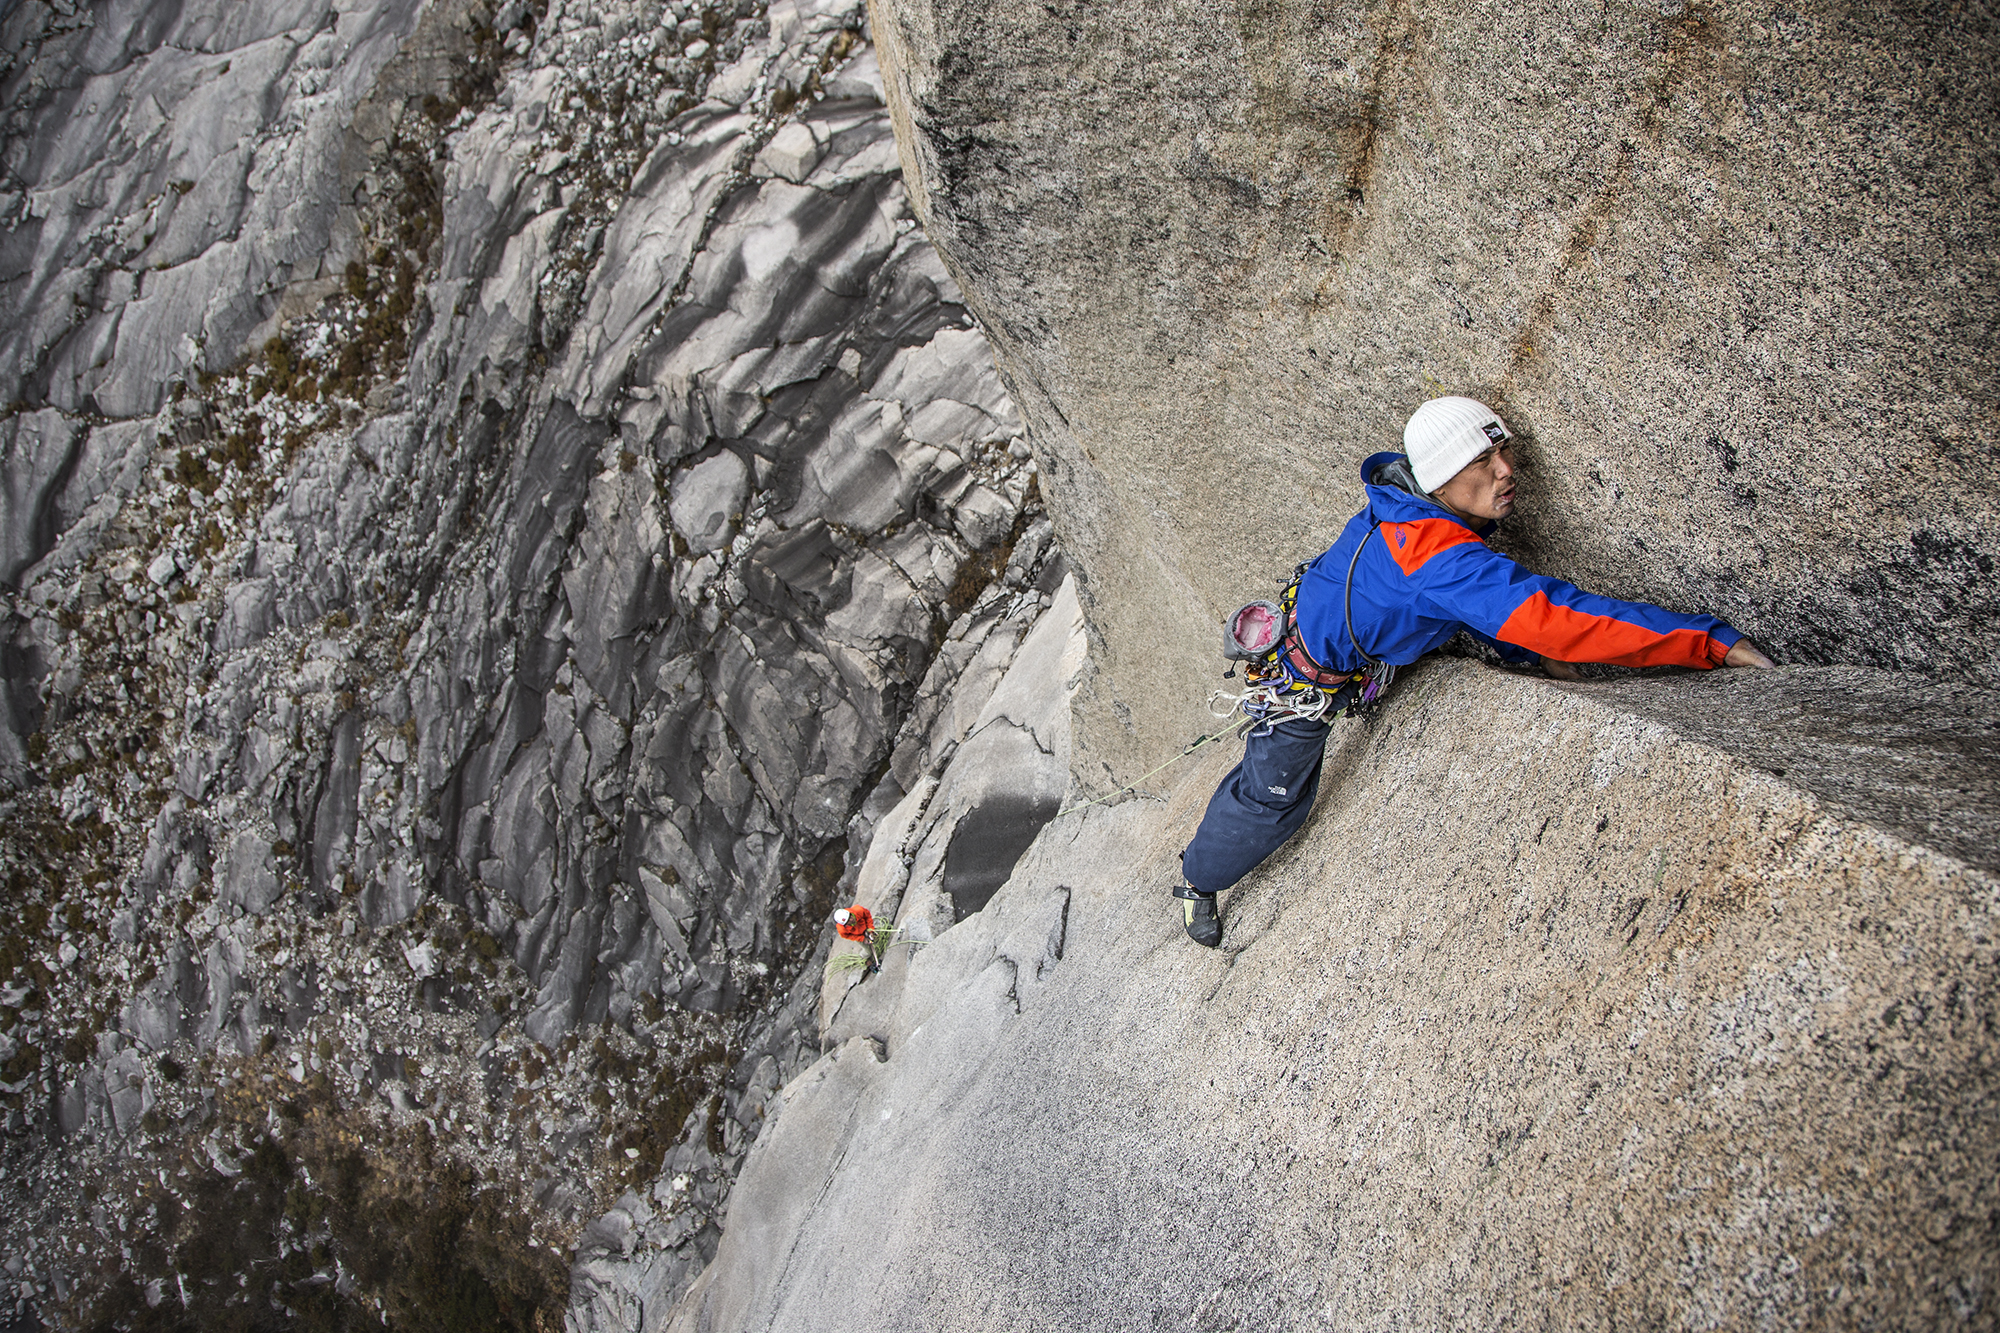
point(1560, 670)
point(1744, 655)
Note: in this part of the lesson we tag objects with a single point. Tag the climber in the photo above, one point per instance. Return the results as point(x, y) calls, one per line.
point(1409, 572)
point(857, 923)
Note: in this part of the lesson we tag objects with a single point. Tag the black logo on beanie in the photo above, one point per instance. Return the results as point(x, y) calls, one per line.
point(1495, 432)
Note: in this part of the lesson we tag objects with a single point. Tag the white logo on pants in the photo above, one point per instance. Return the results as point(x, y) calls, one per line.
point(1275, 791)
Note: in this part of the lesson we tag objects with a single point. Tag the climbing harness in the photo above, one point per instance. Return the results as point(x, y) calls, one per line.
point(1282, 682)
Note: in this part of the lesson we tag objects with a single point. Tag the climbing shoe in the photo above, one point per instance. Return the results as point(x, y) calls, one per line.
point(1198, 914)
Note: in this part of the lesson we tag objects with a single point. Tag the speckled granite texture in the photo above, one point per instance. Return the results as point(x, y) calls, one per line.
point(1551, 1018)
point(1727, 266)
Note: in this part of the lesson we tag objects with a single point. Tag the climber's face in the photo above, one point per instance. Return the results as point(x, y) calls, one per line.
point(1483, 490)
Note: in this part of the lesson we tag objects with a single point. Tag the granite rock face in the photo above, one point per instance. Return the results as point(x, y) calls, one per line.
point(1652, 1001)
point(1000, 770)
point(506, 520)
point(991, 783)
point(511, 477)
point(1553, 1016)
point(1727, 268)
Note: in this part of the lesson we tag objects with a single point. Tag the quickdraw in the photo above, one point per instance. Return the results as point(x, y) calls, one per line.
point(1266, 703)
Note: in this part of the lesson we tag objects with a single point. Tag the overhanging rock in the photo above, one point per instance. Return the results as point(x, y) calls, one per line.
point(1720, 264)
point(1552, 1017)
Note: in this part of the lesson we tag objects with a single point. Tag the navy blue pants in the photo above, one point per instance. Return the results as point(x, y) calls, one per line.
point(1260, 804)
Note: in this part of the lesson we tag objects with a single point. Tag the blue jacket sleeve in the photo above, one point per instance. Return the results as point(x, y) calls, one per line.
point(1508, 652)
point(1535, 614)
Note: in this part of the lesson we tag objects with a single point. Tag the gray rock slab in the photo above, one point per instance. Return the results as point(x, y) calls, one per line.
point(942, 851)
point(616, 587)
point(882, 608)
point(1920, 758)
point(650, 247)
point(982, 517)
point(153, 1015)
point(705, 497)
point(249, 612)
point(101, 475)
point(249, 877)
point(188, 167)
point(860, 79)
point(1543, 986)
point(791, 154)
point(803, 1152)
point(37, 452)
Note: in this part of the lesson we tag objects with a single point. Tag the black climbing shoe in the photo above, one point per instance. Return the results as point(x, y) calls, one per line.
point(1198, 914)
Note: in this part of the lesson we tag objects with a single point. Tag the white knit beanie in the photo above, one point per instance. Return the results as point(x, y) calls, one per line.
point(1447, 433)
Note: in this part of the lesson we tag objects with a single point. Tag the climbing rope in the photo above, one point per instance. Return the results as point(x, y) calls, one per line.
point(1261, 704)
point(1273, 701)
point(1234, 729)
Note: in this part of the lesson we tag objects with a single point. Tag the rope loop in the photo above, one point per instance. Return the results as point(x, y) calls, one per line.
point(1267, 702)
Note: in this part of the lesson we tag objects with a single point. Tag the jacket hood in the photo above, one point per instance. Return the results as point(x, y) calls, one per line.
point(1390, 469)
point(1394, 497)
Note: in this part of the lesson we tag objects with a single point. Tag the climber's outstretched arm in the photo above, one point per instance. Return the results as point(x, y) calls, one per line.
point(1741, 654)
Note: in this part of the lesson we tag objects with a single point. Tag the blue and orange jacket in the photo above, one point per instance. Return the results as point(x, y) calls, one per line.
point(1434, 576)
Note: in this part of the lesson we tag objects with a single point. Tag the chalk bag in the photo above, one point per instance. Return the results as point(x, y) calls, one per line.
point(1252, 631)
